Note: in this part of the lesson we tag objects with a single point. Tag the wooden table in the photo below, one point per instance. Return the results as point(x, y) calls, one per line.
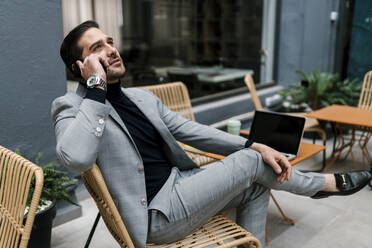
point(306, 151)
point(346, 115)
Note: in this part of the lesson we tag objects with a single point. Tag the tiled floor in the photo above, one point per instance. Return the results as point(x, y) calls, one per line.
point(333, 222)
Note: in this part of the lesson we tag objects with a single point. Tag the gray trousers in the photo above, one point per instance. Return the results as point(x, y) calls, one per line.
point(241, 181)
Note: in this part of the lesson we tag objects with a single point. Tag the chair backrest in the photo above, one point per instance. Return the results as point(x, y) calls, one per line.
point(95, 184)
point(16, 176)
point(248, 80)
point(175, 96)
point(365, 99)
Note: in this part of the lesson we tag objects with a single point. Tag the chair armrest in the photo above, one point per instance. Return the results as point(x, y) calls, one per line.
point(191, 149)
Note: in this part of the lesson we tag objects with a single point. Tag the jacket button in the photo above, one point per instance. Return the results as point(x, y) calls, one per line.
point(101, 121)
point(140, 170)
point(143, 202)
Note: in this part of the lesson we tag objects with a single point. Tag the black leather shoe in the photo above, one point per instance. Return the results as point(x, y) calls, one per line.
point(347, 183)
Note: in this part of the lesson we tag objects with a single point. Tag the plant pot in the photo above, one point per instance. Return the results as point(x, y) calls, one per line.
point(42, 228)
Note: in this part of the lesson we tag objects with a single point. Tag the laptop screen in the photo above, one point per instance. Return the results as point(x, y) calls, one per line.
point(280, 131)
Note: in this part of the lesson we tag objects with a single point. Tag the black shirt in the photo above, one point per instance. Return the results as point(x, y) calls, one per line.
point(147, 139)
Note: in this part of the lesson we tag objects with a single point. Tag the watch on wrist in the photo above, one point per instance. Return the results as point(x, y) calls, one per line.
point(94, 81)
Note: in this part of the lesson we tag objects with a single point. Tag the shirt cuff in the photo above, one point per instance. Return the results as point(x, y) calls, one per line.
point(96, 94)
point(248, 143)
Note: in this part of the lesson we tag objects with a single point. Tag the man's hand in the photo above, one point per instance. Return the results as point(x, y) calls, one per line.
point(92, 65)
point(276, 160)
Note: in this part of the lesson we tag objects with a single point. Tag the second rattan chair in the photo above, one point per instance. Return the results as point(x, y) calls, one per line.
point(16, 176)
point(365, 102)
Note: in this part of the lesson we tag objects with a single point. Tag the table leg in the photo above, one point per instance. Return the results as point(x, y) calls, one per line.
point(339, 145)
point(286, 218)
point(351, 145)
point(363, 142)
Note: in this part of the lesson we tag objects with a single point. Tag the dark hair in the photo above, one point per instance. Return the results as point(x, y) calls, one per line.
point(70, 51)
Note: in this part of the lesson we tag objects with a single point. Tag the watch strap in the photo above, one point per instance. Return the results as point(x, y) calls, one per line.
point(98, 81)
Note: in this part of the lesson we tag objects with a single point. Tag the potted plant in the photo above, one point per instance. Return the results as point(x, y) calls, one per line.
point(56, 188)
point(319, 90)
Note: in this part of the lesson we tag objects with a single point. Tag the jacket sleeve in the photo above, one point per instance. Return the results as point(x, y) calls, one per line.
point(79, 125)
point(200, 136)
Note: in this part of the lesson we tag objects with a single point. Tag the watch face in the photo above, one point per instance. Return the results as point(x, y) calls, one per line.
point(92, 81)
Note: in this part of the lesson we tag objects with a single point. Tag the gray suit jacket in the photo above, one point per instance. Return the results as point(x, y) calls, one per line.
point(89, 132)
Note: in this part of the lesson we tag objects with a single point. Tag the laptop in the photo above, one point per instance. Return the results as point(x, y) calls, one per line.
point(282, 132)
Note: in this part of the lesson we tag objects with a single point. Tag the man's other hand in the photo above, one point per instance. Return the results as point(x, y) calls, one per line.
point(276, 160)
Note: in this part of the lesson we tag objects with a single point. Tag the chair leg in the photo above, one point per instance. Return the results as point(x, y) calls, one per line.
point(92, 230)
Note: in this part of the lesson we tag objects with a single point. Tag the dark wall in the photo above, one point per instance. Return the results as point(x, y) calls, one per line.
point(307, 38)
point(31, 74)
point(360, 57)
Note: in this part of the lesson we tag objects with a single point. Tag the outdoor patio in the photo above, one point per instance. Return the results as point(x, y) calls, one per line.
point(232, 57)
point(334, 222)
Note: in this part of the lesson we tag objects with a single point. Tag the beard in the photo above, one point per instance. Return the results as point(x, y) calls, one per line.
point(115, 73)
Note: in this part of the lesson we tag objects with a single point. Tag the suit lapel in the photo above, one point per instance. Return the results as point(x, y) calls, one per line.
point(115, 116)
point(148, 110)
point(177, 155)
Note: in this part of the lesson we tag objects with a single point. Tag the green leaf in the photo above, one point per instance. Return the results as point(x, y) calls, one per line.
point(323, 89)
point(56, 182)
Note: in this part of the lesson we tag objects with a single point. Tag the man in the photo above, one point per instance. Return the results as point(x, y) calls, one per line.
point(161, 194)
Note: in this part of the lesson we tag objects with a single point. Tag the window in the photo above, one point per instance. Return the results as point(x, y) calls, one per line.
point(207, 44)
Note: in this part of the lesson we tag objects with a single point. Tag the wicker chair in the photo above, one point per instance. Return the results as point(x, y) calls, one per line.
point(218, 232)
point(365, 99)
point(16, 175)
point(365, 102)
point(311, 125)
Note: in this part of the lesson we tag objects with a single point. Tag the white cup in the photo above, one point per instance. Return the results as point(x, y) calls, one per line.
point(233, 127)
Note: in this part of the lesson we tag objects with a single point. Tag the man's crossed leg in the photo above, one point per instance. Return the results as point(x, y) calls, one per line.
point(242, 181)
